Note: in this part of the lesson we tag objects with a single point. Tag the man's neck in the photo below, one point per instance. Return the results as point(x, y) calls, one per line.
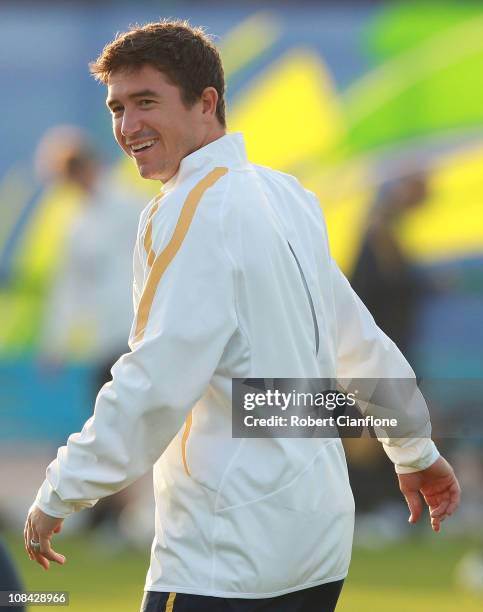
point(217, 132)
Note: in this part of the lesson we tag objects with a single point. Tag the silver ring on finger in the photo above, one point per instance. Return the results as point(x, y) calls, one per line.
point(35, 545)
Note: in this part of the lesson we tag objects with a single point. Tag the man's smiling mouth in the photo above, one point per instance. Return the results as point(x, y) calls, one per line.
point(142, 146)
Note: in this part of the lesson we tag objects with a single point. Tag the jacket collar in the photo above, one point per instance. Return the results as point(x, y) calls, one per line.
point(228, 151)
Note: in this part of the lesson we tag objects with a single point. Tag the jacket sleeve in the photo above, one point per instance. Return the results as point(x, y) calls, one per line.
point(365, 352)
point(185, 317)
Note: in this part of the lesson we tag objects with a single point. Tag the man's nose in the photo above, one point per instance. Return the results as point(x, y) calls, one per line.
point(131, 123)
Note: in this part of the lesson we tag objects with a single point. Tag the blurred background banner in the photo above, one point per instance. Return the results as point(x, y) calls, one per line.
point(375, 106)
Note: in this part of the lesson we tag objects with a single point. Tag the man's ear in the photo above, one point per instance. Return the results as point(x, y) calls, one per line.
point(209, 101)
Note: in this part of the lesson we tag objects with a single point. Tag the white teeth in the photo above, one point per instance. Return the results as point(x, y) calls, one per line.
point(142, 145)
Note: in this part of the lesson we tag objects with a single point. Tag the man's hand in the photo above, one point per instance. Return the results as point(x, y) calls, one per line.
point(40, 527)
point(439, 488)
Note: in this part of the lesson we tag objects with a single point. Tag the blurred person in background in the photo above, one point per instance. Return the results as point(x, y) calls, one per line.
point(383, 277)
point(391, 289)
point(88, 311)
point(221, 294)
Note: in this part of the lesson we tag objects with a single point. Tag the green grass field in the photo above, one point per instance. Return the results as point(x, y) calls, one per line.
point(415, 576)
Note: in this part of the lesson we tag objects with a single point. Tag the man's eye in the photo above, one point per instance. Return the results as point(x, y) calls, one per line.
point(145, 102)
point(115, 110)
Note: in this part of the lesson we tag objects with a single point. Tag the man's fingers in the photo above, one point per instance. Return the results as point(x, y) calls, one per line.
point(452, 507)
point(40, 528)
point(448, 504)
point(443, 510)
point(41, 560)
point(440, 510)
point(26, 537)
point(455, 497)
point(415, 505)
point(37, 554)
point(29, 538)
point(47, 551)
point(440, 489)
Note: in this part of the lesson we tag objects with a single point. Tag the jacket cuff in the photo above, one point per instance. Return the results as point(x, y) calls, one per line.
point(50, 503)
point(426, 456)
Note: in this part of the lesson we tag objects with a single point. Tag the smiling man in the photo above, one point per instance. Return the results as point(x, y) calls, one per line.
point(233, 278)
point(152, 122)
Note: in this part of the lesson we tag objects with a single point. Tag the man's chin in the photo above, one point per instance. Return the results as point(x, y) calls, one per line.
point(148, 173)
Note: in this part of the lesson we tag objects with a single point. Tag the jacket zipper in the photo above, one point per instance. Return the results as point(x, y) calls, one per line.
point(309, 298)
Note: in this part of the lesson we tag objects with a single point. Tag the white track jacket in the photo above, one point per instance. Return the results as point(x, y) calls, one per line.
point(225, 261)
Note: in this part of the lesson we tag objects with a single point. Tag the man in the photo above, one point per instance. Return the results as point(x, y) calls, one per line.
point(383, 277)
point(233, 279)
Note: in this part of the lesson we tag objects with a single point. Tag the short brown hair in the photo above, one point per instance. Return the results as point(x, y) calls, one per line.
point(186, 55)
